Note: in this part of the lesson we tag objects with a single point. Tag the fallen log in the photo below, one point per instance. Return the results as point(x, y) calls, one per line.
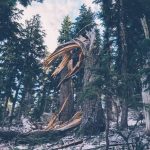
point(41, 136)
point(32, 138)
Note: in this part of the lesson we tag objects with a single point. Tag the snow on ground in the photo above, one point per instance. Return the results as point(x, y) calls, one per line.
point(89, 143)
point(27, 126)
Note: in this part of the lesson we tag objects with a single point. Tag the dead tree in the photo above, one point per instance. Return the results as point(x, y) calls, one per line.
point(66, 91)
point(93, 117)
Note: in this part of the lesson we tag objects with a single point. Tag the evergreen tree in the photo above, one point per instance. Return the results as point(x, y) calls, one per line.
point(22, 2)
point(84, 22)
point(119, 20)
point(9, 26)
point(33, 50)
point(9, 54)
point(66, 30)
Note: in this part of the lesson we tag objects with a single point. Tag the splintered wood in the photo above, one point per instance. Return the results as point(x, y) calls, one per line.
point(63, 63)
point(53, 120)
point(65, 52)
point(73, 122)
point(56, 125)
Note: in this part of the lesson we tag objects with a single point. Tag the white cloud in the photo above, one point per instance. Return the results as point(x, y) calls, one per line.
point(52, 13)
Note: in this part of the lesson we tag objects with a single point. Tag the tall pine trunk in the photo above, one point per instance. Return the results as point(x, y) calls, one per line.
point(26, 103)
point(14, 103)
point(124, 108)
point(93, 120)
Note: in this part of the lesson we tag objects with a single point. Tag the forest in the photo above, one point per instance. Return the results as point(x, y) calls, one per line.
point(90, 93)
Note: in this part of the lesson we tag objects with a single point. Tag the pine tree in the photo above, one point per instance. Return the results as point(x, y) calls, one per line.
point(33, 50)
point(66, 30)
point(9, 54)
point(8, 21)
point(84, 22)
point(127, 37)
point(22, 2)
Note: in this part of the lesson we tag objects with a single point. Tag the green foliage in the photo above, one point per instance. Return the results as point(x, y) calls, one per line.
point(22, 49)
point(9, 25)
point(84, 22)
point(111, 78)
point(66, 30)
point(25, 3)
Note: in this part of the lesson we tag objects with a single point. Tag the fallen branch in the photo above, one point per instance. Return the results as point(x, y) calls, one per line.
point(111, 145)
point(69, 145)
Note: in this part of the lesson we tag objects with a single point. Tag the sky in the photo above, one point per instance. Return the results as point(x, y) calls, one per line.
point(52, 13)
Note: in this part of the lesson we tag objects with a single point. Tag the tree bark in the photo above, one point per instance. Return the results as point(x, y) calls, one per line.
point(107, 121)
point(26, 102)
point(66, 92)
point(93, 120)
point(124, 114)
point(14, 103)
point(124, 108)
point(42, 102)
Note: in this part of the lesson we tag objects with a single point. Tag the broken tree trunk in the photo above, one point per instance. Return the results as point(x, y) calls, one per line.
point(66, 91)
point(93, 115)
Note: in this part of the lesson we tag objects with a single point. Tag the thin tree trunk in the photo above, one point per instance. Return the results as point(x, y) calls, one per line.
point(14, 103)
point(26, 103)
point(116, 113)
point(124, 114)
point(110, 111)
point(107, 121)
point(124, 108)
point(43, 101)
point(146, 93)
